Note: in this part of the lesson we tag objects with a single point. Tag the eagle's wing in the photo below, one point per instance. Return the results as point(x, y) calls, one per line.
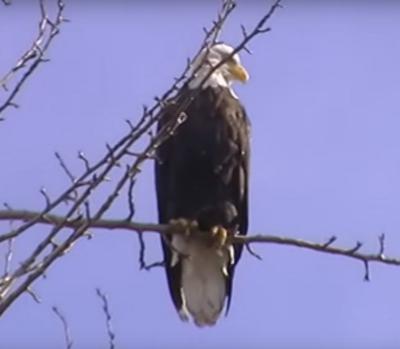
point(236, 174)
point(164, 176)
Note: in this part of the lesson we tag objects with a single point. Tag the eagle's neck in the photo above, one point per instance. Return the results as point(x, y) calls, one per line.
point(216, 79)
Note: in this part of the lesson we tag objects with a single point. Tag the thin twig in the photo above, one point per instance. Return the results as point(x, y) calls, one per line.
point(8, 256)
point(67, 335)
point(65, 168)
point(142, 252)
point(252, 252)
point(34, 56)
point(106, 311)
point(34, 296)
point(131, 202)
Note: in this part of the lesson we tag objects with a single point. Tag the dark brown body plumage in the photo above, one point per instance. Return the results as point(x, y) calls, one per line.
point(202, 172)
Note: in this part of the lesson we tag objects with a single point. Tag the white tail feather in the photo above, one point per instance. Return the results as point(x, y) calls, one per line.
point(203, 281)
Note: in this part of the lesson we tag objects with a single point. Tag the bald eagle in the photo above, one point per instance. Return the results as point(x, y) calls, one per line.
point(202, 178)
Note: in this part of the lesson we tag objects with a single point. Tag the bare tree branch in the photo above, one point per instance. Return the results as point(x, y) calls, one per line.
point(252, 252)
point(93, 177)
point(142, 251)
point(34, 295)
point(35, 55)
point(67, 335)
point(96, 174)
point(82, 214)
point(123, 224)
point(106, 311)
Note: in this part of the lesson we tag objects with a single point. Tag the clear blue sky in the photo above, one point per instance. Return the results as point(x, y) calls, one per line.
point(324, 103)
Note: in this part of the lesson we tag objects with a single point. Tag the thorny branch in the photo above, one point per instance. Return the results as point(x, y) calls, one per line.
point(34, 56)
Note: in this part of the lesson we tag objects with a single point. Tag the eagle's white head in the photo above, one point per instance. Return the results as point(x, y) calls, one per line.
point(232, 70)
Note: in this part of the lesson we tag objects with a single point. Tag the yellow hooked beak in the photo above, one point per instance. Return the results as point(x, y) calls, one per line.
point(238, 72)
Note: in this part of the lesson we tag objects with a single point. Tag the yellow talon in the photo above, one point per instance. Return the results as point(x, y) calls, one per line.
point(219, 236)
point(183, 225)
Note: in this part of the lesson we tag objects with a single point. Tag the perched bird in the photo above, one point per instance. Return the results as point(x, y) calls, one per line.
point(201, 178)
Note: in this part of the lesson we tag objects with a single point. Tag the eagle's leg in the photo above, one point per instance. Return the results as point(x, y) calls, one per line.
point(219, 236)
point(183, 225)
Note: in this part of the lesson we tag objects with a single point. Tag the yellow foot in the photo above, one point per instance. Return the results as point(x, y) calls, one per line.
point(183, 225)
point(219, 236)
